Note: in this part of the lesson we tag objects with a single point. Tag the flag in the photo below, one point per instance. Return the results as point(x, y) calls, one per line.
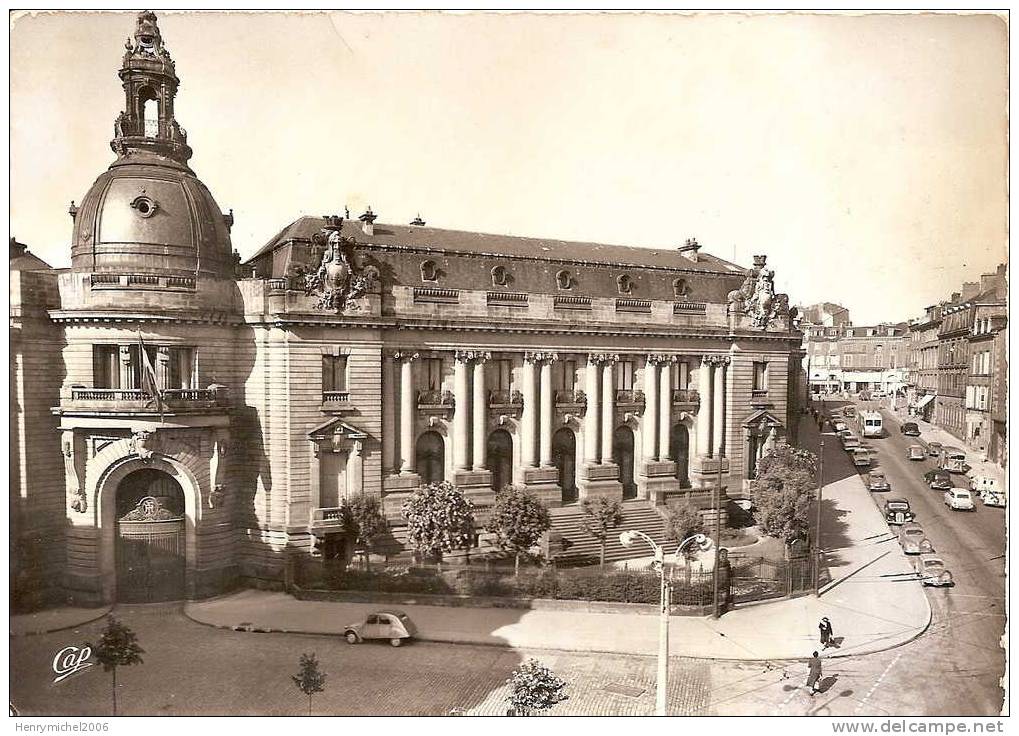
point(149, 384)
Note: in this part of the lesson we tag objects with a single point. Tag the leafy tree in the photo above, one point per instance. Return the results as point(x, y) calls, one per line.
point(785, 485)
point(518, 521)
point(683, 521)
point(601, 516)
point(118, 647)
point(439, 519)
point(534, 687)
point(367, 522)
point(309, 679)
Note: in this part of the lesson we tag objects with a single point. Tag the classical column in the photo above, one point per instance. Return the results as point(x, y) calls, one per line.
point(608, 408)
point(650, 407)
point(528, 414)
point(407, 402)
point(593, 389)
point(704, 385)
point(665, 412)
point(547, 404)
point(460, 412)
point(718, 415)
point(162, 368)
point(126, 374)
point(388, 414)
point(479, 412)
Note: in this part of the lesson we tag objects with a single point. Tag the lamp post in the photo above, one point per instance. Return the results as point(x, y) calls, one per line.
point(627, 539)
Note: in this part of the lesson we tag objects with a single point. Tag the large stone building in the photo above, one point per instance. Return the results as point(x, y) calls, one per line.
point(821, 325)
point(185, 423)
point(841, 357)
point(922, 379)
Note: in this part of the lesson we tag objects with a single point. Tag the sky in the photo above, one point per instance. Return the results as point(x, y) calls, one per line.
point(865, 155)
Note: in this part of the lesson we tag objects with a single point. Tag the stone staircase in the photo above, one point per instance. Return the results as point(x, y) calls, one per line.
point(639, 515)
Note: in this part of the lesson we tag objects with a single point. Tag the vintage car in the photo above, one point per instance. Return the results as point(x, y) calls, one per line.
point(896, 511)
point(934, 449)
point(876, 481)
point(850, 442)
point(910, 429)
point(981, 484)
point(938, 479)
point(914, 540)
point(392, 625)
point(861, 457)
point(848, 412)
point(959, 499)
point(839, 426)
point(915, 452)
point(930, 569)
point(994, 498)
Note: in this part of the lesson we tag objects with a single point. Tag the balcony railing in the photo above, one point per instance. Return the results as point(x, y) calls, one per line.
point(134, 398)
point(432, 398)
point(500, 397)
point(685, 396)
point(564, 397)
point(99, 281)
point(336, 397)
point(328, 519)
point(629, 396)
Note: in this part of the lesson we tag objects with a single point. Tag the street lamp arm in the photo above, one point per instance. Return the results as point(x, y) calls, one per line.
point(703, 541)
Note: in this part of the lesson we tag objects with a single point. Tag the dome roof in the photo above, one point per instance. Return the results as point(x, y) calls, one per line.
point(150, 215)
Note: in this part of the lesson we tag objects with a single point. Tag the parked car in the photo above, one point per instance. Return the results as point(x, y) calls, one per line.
point(994, 498)
point(938, 479)
point(848, 411)
point(914, 540)
point(932, 571)
point(850, 441)
point(390, 624)
point(915, 452)
point(896, 511)
point(910, 429)
point(876, 481)
point(861, 457)
point(839, 426)
point(934, 449)
point(959, 499)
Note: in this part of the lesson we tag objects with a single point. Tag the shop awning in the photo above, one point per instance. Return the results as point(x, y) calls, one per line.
point(924, 401)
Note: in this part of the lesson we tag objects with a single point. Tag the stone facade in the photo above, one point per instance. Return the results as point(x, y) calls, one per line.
point(233, 408)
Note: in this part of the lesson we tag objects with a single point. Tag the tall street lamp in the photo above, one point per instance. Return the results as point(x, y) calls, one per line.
point(627, 539)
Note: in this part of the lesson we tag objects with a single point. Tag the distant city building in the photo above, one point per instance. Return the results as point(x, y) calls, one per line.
point(820, 325)
point(182, 424)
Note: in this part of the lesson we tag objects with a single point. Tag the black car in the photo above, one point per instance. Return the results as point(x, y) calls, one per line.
point(910, 429)
point(938, 479)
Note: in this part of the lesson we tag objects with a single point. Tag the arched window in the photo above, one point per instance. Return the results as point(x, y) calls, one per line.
point(681, 289)
point(625, 284)
point(499, 276)
point(564, 458)
point(430, 458)
point(428, 271)
point(564, 279)
point(149, 111)
point(500, 458)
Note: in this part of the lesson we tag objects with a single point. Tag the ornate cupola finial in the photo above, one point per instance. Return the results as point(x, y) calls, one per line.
point(150, 84)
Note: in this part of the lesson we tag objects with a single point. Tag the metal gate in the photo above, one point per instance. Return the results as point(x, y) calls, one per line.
point(150, 557)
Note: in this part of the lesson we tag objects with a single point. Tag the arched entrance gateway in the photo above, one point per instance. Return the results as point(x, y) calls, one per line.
point(500, 458)
point(150, 538)
point(430, 458)
point(622, 455)
point(564, 457)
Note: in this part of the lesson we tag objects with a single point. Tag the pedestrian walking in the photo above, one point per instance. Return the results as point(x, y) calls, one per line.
point(814, 676)
point(826, 632)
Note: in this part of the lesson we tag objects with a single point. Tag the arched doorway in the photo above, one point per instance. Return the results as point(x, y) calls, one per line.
point(564, 457)
point(680, 451)
point(430, 458)
point(622, 455)
point(150, 546)
point(500, 458)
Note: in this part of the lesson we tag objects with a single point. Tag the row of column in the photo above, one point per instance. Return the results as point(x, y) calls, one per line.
point(537, 416)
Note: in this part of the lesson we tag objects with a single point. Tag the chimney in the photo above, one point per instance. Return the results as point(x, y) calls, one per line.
point(955, 297)
point(970, 289)
point(417, 221)
point(17, 249)
point(367, 221)
point(689, 249)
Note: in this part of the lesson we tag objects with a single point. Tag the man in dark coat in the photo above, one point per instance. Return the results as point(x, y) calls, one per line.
point(826, 633)
point(814, 675)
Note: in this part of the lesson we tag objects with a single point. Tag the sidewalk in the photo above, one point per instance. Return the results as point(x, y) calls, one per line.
point(872, 601)
point(54, 619)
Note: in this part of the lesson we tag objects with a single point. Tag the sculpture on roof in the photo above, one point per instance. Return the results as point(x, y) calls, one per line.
point(757, 298)
point(338, 284)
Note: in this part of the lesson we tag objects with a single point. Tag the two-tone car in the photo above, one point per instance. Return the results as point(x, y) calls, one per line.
point(850, 441)
point(910, 429)
point(876, 481)
point(896, 511)
point(934, 449)
point(959, 499)
point(914, 540)
point(390, 625)
point(931, 570)
point(915, 452)
point(860, 457)
point(938, 479)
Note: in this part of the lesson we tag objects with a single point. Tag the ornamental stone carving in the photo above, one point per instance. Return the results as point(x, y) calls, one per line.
point(540, 357)
point(73, 477)
point(471, 356)
point(338, 284)
point(603, 358)
point(141, 444)
point(662, 358)
point(756, 298)
point(405, 356)
point(716, 360)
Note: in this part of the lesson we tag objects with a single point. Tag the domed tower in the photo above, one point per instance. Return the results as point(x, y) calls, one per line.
point(148, 214)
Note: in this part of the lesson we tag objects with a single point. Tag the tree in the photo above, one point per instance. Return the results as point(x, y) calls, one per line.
point(785, 484)
point(518, 521)
point(439, 519)
point(683, 521)
point(534, 687)
point(118, 647)
point(601, 516)
point(367, 522)
point(309, 679)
